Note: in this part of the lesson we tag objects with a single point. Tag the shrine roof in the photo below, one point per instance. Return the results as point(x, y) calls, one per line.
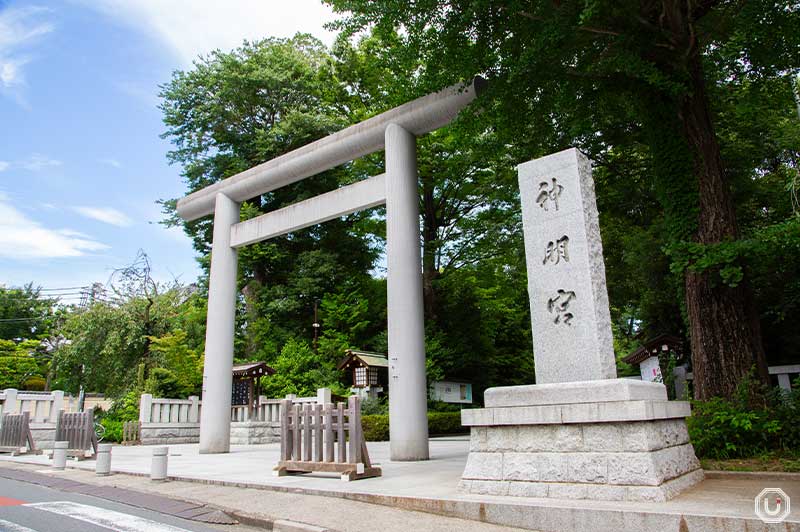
point(368, 358)
point(653, 347)
point(252, 369)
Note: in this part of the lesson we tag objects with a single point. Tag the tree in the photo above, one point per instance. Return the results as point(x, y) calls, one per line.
point(25, 313)
point(234, 110)
point(605, 74)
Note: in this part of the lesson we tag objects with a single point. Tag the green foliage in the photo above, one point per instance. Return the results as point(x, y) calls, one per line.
point(17, 365)
point(440, 423)
point(300, 371)
point(374, 406)
point(748, 425)
point(163, 383)
point(125, 408)
point(113, 430)
point(376, 427)
point(182, 361)
point(112, 342)
point(34, 384)
point(25, 313)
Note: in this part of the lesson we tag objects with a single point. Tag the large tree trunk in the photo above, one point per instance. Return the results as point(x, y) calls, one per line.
point(724, 324)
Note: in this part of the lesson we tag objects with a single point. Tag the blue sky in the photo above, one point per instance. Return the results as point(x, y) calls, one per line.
point(81, 161)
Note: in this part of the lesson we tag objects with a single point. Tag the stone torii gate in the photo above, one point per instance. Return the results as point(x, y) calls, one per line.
point(395, 131)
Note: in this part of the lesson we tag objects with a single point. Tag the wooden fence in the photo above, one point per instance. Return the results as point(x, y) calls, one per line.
point(324, 438)
point(130, 433)
point(78, 429)
point(15, 433)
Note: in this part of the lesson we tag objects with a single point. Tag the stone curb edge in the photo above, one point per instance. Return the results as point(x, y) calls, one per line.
point(751, 475)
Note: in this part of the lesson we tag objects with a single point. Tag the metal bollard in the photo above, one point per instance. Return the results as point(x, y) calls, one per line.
point(103, 459)
point(60, 454)
point(158, 470)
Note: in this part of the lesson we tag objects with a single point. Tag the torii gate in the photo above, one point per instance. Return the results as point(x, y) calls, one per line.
point(396, 131)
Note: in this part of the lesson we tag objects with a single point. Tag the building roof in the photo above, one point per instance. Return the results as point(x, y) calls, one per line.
point(252, 369)
point(368, 358)
point(655, 346)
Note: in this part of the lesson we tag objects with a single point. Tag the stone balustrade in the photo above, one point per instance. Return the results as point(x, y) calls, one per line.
point(165, 421)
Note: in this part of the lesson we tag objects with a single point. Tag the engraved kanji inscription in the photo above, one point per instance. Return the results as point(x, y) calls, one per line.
point(559, 305)
point(549, 193)
point(555, 251)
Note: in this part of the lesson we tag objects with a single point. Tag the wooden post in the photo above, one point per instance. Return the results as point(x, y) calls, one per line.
point(307, 416)
point(318, 432)
point(328, 413)
point(294, 422)
point(340, 433)
point(286, 434)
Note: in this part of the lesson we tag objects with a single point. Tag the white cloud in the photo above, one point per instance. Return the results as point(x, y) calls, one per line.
point(20, 27)
point(111, 162)
point(106, 215)
point(38, 162)
point(192, 27)
point(4, 165)
point(23, 238)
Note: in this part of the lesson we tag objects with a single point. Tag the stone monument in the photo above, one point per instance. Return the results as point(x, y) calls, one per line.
point(580, 433)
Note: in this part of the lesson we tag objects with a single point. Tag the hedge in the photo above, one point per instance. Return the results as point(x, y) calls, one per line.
point(376, 427)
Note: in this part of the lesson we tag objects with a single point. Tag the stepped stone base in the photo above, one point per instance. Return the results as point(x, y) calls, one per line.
point(628, 443)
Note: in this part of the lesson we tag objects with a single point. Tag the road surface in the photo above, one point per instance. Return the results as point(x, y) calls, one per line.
point(30, 508)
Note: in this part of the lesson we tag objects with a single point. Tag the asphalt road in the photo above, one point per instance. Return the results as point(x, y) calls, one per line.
point(31, 508)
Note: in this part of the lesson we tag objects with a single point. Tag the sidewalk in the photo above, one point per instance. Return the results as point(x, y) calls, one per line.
point(719, 503)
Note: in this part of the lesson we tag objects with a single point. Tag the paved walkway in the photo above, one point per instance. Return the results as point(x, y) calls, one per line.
point(719, 503)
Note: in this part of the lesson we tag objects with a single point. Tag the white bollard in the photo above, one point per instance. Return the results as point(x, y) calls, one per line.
point(158, 470)
point(103, 459)
point(60, 454)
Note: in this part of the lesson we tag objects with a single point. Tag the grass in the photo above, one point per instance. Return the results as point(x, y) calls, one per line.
point(780, 462)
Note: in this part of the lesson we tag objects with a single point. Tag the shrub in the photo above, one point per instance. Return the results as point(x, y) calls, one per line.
point(376, 427)
point(440, 423)
point(376, 406)
point(720, 429)
point(34, 384)
point(126, 408)
point(756, 421)
point(113, 430)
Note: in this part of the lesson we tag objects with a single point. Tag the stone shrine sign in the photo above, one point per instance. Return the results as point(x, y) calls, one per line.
point(580, 432)
point(566, 273)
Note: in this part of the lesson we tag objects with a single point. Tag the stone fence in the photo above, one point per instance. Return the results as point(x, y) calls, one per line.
point(43, 408)
point(166, 421)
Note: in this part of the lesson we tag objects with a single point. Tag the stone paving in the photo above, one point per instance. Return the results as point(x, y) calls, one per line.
point(721, 502)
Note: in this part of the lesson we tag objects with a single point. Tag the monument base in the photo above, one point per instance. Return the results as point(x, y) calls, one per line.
point(614, 439)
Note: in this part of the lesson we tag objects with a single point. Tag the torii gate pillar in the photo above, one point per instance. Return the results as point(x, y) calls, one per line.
point(215, 416)
point(408, 405)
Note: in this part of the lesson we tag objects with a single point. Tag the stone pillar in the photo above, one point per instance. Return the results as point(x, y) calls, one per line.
point(194, 409)
point(324, 396)
point(215, 416)
point(145, 408)
point(784, 382)
point(56, 406)
point(408, 406)
point(10, 403)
